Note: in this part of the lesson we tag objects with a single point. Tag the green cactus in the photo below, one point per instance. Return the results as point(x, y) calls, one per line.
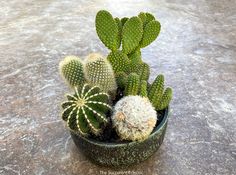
point(158, 99)
point(85, 111)
point(131, 34)
point(121, 79)
point(150, 33)
point(149, 17)
point(134, 118)
point(143, 17)
point(135, 56)
point(143, 89)
point(123, 20)
point(119, 25)
point(119, 61)
point(156, 90)
point(107, 29)
point(71, 69)
point(165, 99)
point(98, 72)
point(132, 85)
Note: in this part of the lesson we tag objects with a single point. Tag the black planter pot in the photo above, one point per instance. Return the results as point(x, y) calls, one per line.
point(122, 154)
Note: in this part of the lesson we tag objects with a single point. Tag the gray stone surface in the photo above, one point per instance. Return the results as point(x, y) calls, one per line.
point(196, 51)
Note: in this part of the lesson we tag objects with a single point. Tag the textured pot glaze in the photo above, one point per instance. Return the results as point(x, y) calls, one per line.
point(122, 154)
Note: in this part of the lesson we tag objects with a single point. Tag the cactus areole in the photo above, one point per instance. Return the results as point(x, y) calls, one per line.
point(115, 115)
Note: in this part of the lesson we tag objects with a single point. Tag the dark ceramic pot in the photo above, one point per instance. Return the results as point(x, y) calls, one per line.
point(122, 154)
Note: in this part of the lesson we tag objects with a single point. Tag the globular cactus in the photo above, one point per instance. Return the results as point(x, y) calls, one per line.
point(131, 34)
point(143, 89)
point(121, 79)
point(134, 118)
point(71, 69)
point(85, 111)
point(98, 71)
point(107, 29)
point(119, 61)
point(159, 100)
point(132, 85)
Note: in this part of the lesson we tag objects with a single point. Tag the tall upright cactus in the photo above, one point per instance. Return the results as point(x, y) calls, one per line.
point(143, 89)
point(71, 69)
point(121, 79)
point(85, 111)
point(132, 85)
point(98, 71)
point(158, 99)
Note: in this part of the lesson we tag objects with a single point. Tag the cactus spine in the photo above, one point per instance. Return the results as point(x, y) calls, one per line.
point(85, 111)
point(98, 71)
point(134, 118)
point(71, 69)
point(158, 99)
point(132, 85)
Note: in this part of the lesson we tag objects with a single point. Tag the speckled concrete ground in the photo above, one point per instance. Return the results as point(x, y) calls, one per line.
point(196, 51)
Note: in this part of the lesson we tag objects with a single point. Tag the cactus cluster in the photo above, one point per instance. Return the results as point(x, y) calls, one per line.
point(121, 78)
point(134, 118)
point(85, 111)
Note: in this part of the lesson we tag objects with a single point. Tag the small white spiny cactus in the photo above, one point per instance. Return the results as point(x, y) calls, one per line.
point(134, 118)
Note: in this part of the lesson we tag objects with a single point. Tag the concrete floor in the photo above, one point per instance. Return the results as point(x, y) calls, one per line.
point(196, 51)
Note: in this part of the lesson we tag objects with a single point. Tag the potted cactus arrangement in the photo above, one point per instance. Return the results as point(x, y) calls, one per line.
point(115, 115)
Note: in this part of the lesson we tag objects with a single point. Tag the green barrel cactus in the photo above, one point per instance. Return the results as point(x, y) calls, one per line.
point(134, 118)
point(71, 69)
point(98, 72)
point(143, 89)
point(107, 29)
point(85, 111)
point(131, 34)
point(132, 85)
point(119, 61)
point(158, 99)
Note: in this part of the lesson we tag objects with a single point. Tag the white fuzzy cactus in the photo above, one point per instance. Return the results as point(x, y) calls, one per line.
point(134, 118)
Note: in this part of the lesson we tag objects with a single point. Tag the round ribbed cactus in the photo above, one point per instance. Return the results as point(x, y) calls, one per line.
point(132, 85)
point(134, 118)
point(71, 69)
point(107, 29)
point(159, 100)
point(98, 71)
point(85, 111)
point(119, 61)
point(131, 34)
point(143, 89)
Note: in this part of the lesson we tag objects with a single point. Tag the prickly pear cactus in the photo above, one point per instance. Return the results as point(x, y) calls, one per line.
point(134, 118)
point(71, 69)
point(98, 71)
point(119, 61)
point(131, 34)
point(132, 85)
point(107, 29)
point(85, 111)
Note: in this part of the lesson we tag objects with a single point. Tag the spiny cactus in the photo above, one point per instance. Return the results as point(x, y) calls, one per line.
point(121, 79)
point(119, 61)
point(98, 71)
point(158, 99)
point(131, 34)
point(107, 30)
point(85, 111)
point(144, 71)
point(150, 33)
point(71, 69)
point(119, 26)
point(134, 118)
point(143, 89)
point(135, 56)
point(132, 85)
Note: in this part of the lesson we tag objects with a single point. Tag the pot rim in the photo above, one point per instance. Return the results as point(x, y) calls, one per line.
point(115, 144)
